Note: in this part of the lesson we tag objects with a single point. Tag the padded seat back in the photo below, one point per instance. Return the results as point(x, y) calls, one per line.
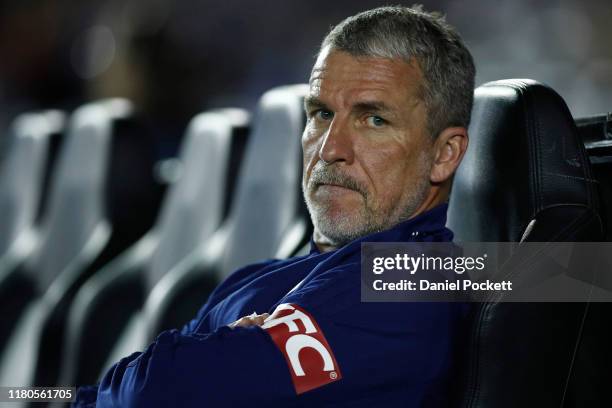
point(196, 204)
point(589, 385)
point(193, 209)
point(267, 219)
point(525, 177)
point(23, 177)
point(23, 173)
point(268, 204)
point(525, 162)
point(102, 198)
point(76, 216)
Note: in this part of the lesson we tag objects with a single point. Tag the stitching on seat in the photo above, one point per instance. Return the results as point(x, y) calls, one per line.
point(535, 143)
point(575, 352)
point(476, 361)
point(577, 222)
point(532, 144)
point(573, 177)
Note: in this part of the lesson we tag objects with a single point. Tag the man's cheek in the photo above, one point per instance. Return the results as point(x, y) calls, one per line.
point(309, 150)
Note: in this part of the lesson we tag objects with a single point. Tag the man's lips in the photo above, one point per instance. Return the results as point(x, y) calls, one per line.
point(334, 186)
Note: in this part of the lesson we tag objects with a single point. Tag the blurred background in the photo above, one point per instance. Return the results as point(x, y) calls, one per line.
point(175, 58)
point(88, 233)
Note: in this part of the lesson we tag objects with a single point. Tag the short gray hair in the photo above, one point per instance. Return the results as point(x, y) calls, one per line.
point(409, 32)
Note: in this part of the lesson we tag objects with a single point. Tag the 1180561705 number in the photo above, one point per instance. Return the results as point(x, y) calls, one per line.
point(41, 394)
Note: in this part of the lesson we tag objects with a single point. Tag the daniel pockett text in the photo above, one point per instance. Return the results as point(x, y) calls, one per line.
point(477, 272)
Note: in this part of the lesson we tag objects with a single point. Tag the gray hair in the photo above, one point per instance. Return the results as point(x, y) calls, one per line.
point(409, 32)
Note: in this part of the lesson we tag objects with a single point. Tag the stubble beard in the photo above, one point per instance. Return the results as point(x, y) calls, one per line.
point(348, 226)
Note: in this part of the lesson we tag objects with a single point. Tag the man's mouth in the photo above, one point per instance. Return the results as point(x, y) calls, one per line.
point(331, 185)
point(327, 181)
point(334, 186)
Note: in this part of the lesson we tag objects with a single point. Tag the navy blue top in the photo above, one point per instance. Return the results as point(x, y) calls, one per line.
point(389, 354)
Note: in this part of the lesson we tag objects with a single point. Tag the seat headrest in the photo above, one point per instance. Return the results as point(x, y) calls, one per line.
point(23, 173)
point(102, 190)
point(525, 162)
point(268, 194)
point(194, 207)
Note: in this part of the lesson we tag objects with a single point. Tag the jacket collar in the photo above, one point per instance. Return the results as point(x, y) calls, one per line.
point(427, 226)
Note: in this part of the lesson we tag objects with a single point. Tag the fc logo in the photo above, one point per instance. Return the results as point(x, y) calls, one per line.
point(299, 338)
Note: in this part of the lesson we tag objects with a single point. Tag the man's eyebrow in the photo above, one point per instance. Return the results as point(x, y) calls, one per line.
point(371, 106)
point(313, 102)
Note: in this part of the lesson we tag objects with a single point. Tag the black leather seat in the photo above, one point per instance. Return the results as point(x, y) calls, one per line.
point(192, 211)
point(525, 177)
point(24, 177)
point(268, 217)
point(102, 198)
point(592, 373)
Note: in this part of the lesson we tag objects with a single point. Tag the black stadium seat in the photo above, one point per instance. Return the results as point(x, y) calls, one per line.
point(192, 210)
point(525, 177)
point(24, 175)
point(102, 198)
point(267, 219)
point(592, 372)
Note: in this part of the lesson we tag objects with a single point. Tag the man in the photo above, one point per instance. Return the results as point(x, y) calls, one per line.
point(389, 103)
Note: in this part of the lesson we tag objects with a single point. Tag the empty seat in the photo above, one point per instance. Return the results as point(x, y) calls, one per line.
point(23, 177)
point(591, 374)
point(200, 202)
point(102, 198)
point(193, 209)
point(267, 219)
point(23, 173)
point(525, 177)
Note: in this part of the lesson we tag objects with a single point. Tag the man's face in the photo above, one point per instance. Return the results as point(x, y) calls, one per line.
point(367, 154)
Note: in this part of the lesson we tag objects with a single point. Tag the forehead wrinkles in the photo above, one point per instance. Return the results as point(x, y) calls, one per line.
point(373, 72)
point(339, 74)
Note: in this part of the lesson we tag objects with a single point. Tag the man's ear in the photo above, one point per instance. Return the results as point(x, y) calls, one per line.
point(449, 148)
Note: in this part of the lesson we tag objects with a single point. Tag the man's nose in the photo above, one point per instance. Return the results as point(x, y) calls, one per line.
point(337, 145)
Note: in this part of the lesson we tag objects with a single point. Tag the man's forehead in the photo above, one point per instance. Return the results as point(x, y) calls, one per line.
point(342, 65)
point(337, 71)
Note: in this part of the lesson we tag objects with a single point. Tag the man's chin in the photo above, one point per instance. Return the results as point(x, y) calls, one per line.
point(338, 202)
point(339, 230)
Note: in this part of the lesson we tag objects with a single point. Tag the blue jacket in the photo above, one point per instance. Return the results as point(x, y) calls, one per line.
point(322, 347)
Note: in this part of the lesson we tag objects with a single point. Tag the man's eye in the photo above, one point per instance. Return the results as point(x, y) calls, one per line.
point(323, 114)
point(375, 121)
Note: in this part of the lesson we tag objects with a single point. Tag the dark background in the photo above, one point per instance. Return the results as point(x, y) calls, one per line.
point(175, 58)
